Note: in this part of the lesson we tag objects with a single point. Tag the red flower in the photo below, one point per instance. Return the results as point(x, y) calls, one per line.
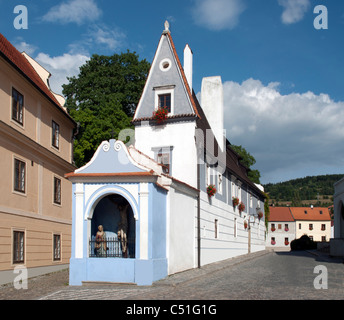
point(160, 115)
point(211, 190)
point(241, 207)
point(260, 215)
point(235, 201)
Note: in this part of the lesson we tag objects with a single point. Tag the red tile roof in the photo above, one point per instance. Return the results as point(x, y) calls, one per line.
point(19, 62)
point(307, 213)
point(183, 75)
point(280, 214)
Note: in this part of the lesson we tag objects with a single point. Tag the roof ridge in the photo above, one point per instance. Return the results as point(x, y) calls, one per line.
point(188, 90)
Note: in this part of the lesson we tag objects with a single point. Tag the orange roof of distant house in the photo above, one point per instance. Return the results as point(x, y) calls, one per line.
point(311, 214)
point(280, 214)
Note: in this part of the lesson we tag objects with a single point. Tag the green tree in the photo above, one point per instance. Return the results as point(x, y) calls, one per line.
point(248, 161)
point(103, 98)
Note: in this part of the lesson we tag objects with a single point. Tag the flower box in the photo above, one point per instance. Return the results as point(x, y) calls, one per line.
point(241, 207)
point(211, 190)
point(273, 229)
point(160, 115)
point(235, 201)
point(286, 243)
point(273, 242)
point(245, 224)
point(260, 215)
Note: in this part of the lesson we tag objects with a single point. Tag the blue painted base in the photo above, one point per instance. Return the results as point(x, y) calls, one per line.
point(141, 272)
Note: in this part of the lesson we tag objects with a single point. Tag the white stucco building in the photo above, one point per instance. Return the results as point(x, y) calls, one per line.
point(163, 178)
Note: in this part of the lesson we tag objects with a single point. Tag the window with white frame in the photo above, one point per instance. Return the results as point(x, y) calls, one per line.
point(55, 134)
point(19, 175)
point(163, 155)
point(18, 246)
point(17, 106)
point(57, 190)
point(164, 98)
point(57, 247)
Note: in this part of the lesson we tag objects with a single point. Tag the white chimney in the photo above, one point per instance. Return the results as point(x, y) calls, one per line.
point(212, 105)
point(188, 60)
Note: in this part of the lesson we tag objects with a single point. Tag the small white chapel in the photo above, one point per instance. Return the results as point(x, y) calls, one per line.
point(175, 197)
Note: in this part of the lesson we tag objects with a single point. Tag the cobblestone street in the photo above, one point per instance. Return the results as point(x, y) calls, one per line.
point(260, 276)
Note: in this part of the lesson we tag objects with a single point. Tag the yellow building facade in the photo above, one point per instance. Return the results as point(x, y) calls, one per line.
point(36, 135)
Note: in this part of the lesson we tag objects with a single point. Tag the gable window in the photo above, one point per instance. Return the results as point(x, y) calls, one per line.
point(55, 134)
point(165, 101)
point(57, 247)
point(57, 190)
point(17, 106)
point(19, 175)
point(164, 98)
point(18, 247)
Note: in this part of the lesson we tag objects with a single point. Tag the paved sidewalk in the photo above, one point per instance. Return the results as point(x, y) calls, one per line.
point(55, 286)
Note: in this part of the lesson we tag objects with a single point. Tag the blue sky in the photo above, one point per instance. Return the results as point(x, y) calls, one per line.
point(283, 79)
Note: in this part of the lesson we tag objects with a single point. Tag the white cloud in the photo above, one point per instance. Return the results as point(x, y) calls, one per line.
point(111, 38)
point(289, 135)
point(294, 10)
point(61, 67)
point(100, 38)
point(22, 46)
point(217, 14)
point(74, 11)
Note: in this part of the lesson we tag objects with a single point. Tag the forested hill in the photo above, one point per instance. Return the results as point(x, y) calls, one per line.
point(318, 188)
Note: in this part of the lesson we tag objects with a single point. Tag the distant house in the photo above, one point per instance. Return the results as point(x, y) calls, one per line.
point(289, 223)
point(179, 190)
point(337, 243)
point(312, 221)
point(281, 229)
point(36, 135)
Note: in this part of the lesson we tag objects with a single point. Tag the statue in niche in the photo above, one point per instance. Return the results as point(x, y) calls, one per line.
point(100, 242)
point(123, 228)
